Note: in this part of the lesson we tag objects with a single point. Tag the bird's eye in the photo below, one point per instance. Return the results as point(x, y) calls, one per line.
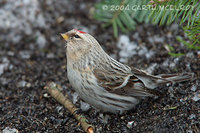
point(76, 36)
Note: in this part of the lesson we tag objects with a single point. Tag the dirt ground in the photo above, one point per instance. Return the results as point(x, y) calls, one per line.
point(32, 53)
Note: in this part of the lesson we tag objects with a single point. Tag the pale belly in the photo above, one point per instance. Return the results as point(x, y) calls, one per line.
point(97, 96)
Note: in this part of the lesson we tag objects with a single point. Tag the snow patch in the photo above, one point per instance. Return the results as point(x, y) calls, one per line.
point(4, 65)
point(10, 130)
point(41, 40)
point(130, 48)
point(20, 17)
point(151, 68)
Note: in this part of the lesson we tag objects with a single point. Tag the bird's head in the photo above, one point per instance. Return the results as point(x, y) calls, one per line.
point(79, 42)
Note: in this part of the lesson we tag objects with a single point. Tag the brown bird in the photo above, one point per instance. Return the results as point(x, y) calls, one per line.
point(104, 82)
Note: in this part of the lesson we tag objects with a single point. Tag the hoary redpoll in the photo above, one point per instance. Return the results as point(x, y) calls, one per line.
point(104, 82)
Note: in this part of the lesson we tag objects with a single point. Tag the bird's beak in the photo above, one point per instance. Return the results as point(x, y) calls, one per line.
point(65, 36)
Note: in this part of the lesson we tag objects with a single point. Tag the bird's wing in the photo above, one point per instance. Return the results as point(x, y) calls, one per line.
point(119, 81)
point(151, 81)
point(109, 79)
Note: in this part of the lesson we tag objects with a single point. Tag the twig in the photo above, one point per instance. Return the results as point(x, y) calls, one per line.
point(53, 89)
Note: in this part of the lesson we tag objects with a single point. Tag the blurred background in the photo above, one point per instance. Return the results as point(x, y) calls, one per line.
point(33, 53)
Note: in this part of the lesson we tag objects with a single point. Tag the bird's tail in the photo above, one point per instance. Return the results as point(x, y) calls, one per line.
point(174, 78)
point(152, 82)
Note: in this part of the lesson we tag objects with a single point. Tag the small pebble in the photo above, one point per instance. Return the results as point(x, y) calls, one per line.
point(189, 131)
point(130, 124)
point(59, 109)
point(196, 97)
point(60, 19)
point(84, 106)
point(46, 95)
point(50, 56)
point(3, 67)
point(192, 116)
point(198, 53)
point(75, 97)
point(104, 118)
point(10, 53)
point(25, 54)
point(22, 83)
point(194, 88)
point(28, 85)
point(122, 117)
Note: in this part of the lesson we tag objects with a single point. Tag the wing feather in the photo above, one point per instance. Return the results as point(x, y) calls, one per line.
point(125, 84)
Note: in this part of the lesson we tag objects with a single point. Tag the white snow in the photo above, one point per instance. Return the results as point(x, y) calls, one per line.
point(10, 130)
point(25, 54)
point(21, 17)
point(151, 68)
point(196, 97)
point(198, 52)
point(127, 48)
point(130, 48)
point(41, 40)
point(4, 65)
point(156, 39)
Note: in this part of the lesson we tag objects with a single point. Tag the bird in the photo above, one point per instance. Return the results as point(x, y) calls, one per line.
point(105, 83)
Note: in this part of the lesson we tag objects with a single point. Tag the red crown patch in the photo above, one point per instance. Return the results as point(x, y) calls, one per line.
point(81, 31)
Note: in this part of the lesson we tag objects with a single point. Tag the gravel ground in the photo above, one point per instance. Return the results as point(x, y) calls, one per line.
point(32, 53)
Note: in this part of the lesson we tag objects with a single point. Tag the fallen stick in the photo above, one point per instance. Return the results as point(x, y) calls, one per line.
point(54, 90)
